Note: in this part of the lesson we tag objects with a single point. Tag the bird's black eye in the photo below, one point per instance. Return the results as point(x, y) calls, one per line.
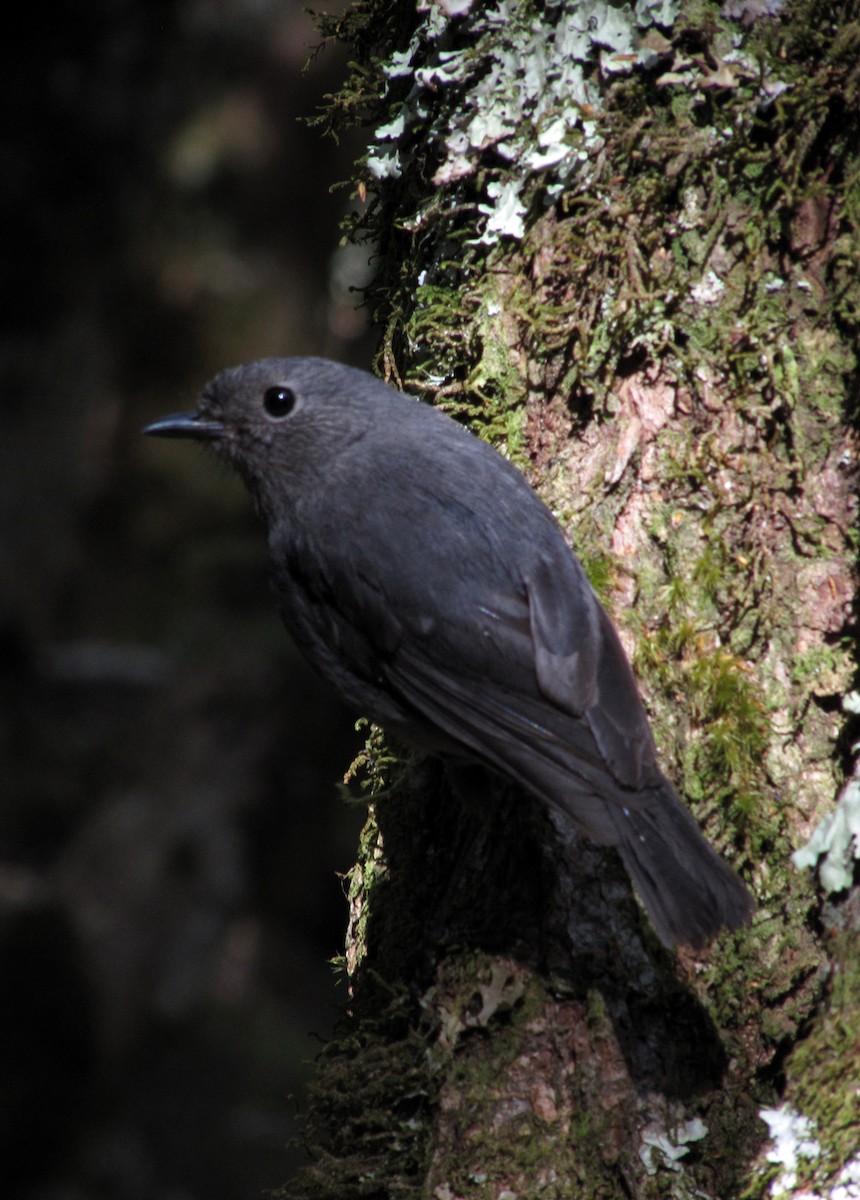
point(278, 401)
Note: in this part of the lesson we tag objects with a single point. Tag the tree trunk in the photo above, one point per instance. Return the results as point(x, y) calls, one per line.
point(621, 242)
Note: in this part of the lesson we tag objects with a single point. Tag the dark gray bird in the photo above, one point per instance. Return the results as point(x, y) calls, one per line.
point(421, 575)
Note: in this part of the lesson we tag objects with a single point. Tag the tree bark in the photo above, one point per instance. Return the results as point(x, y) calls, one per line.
point(621, 242)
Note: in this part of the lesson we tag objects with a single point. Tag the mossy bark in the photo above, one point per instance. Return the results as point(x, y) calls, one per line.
point(664, 336)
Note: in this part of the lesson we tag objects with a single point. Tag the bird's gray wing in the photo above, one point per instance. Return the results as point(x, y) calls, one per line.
point(516, 662)
point(582, 668)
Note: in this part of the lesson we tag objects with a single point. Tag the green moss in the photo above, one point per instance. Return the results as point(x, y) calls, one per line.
point(824, 1068)
point(601, 570)
point(819, 665)
point(460, 355)
point(368, 1126)
point(726, 705)
point(690, 613)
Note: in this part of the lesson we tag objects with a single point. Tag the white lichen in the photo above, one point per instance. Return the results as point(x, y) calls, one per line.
point(524, 85)
point(836, 841)
point(847, 1185)
point(664, 1147)
point(708, 289)
point(792, 1143)
point(505, 215)
point(794, 1147)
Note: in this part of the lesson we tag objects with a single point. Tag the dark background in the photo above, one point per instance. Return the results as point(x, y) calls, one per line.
point(170, 826)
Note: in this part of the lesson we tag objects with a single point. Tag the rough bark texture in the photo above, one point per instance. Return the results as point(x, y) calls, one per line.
point(626, 251)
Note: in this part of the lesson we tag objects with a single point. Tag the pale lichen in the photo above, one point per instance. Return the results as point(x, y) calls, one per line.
point(523, 85)
point(835, 845)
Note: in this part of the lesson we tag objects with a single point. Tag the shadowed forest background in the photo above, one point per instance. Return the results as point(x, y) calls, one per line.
point(170, 830)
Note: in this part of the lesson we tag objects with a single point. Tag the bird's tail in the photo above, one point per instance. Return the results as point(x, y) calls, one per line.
point(689, 891)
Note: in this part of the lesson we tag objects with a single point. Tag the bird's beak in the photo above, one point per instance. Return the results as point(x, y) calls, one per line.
point(186, 425)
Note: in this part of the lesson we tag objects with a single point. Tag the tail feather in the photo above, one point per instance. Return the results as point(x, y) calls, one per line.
point(689, 891)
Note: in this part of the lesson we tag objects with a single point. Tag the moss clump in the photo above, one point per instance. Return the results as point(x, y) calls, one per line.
point(699, 618)
point(461, 358)
point(824, 1068)
point(368, 1128)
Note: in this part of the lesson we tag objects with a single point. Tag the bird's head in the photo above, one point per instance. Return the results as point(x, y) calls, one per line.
point(282, 422)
